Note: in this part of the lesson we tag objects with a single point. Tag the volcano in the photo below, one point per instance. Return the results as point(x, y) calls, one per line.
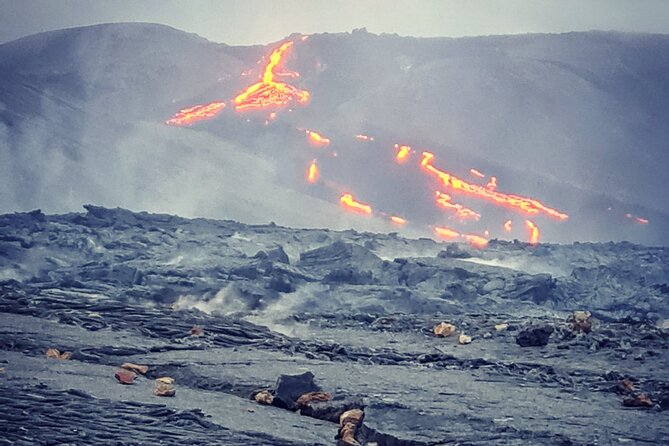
point(567, 131)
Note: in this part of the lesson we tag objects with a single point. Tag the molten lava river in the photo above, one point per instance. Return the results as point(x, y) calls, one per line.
point(270, 94)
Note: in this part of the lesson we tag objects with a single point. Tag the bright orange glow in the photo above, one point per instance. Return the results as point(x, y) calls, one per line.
point(317, 139)
point(507, 226)
point(190, 115)
point(476, 173)
point(492, 184)
point(364, 137)
point(303, 38)
point(514, 202)
point(403, 153)
point(268, 92)
point(446, 233)
point(313, 174)
point(641, 221)
point(398, 220)
point(444, 200)
point(476, 240)
point(350, 203)
point(534, 232)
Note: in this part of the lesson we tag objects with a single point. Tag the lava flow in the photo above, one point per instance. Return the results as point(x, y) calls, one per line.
point(402, 154)
point(449, 234)
point(476, 173)
point(397, 220)
point(269, 93)
point(534, 232)
point(350, 203)
point(515, 202)
point(313, 174)
point(508, 226)
point(190, 115)
point(444, 200)
point(362, 137)
point(317, 139)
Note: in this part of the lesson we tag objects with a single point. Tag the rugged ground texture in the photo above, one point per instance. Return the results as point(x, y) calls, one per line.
point(226, 309)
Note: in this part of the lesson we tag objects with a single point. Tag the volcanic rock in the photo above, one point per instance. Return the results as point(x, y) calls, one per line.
point(56, 354)
point(264, 397)
point(125, 376)
point(640, 400)
point(308, 398)
point(197, 331)
point(534, 336)
point(581, 321)
point(289, 388)
point(464, 339)
point(349, 422)
point(331, 410)
point(140, 369)
point(443, 329)
point(164, 387)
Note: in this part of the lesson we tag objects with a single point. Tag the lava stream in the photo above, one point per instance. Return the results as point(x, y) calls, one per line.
point(350, 203)
point(313, 173)
point(476, 173)
point(449, 234)
point(398, 220)
point(317, 139)
point(190, 115)
point(402, 154)
point(444, 200)
point(534, 232)
point(268, 92)
point(641, 221)
point(508, 226)
point(362, 137)
point(515, 202)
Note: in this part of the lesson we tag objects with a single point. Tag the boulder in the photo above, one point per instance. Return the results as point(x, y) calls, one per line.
point(534, 336)
point(349, 422)
point(140, 369)
point(581, 321)
point(289, 388)
point(443, 329)
point(124, 376)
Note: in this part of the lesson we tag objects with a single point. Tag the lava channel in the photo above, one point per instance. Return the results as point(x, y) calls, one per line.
point(190, 115)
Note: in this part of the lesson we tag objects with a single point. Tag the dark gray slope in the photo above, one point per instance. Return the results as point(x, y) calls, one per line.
point(355, 309)
point(578, 120)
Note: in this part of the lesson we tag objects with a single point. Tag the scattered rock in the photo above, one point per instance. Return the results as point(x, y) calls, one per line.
point(581, 321)
point(349, 422)
point(124, 376)
point(625, 386)
point(640, 400)
point(264, 397)
point(140, 369)
point(534, 336)
point(308, 398)
point(56, 354)
point(290, 387)
point(164, 387)
point(464, 339)
point(501, 327)
point(444, 329)
point(331, 410)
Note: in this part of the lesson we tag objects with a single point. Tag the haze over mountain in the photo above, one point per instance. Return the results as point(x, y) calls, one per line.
point(577, 120)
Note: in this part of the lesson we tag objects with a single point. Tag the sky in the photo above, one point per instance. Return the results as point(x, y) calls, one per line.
point(245, 22)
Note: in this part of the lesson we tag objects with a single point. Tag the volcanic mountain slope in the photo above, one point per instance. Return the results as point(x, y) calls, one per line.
point(577, 120)
point(226, 309)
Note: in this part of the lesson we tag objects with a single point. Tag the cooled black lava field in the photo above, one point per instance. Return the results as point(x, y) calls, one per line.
point(229, 310)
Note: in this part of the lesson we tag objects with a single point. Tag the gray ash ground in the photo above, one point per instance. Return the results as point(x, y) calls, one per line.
point(356, 310)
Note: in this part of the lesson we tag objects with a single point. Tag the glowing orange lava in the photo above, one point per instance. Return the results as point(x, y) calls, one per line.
point(444, 200)
point(476, 240)
point(446, 233)
point(641, 221)
point(492, 184)
point(515, 202)
point(268, 92)
point(190, 115)
point(317, 139)
point(534, 232)
point(476, 173)
point(402, 154)
point(350, 203)
point(313, 174)
point(364, 137)
point(507, 226)
point(397, 220)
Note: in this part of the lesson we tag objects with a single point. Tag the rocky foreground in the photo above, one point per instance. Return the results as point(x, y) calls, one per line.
point(129, 328)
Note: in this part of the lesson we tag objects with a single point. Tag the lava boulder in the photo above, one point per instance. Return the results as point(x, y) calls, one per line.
point(534, 336)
